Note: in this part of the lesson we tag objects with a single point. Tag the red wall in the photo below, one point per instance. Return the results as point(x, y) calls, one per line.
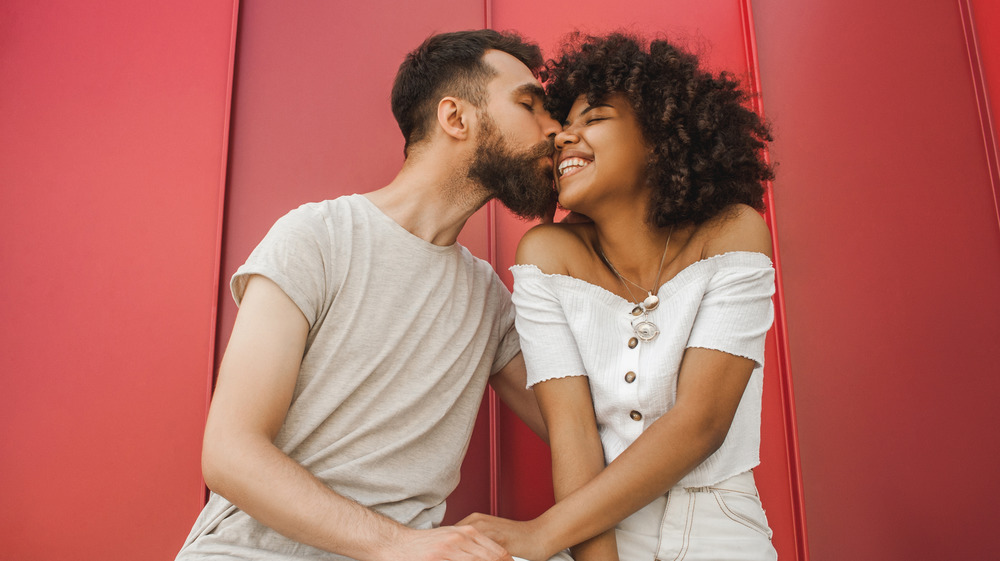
point(891, 259)
point(981, 18)
point(113, 123)
point(113, 143)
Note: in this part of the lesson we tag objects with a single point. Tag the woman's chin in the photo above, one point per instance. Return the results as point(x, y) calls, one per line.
point(573, 205)
point(568, 201)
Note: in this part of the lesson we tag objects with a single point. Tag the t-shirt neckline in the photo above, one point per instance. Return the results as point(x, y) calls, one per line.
point(415, 240)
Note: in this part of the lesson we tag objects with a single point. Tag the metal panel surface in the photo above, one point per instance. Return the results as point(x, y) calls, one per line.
point(113, 123)
point(978, 16)
point(891, 256)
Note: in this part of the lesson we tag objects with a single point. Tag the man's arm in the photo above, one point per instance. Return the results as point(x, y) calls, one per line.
point(240, 462)
point(510, 384)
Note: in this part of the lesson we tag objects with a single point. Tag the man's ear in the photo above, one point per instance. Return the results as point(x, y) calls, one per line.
point(455, 117)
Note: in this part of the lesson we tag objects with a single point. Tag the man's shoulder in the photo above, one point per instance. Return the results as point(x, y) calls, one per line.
point(323, 218)
point(330, 207)
point(479, 266)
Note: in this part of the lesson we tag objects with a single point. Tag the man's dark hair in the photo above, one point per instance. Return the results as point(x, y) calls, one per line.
point(450, 64)
point(707, 144)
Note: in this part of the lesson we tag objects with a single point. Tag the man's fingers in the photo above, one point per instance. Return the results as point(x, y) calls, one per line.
point(487, 548)
point(462, 543)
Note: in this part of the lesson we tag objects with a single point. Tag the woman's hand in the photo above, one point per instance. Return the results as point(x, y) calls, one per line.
point(521, 539)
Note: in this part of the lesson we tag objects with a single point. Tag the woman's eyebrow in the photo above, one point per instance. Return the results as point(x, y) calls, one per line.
point(586, 110)
point(594, 106)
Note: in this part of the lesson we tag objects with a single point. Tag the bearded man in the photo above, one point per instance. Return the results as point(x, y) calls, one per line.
point(366, 334)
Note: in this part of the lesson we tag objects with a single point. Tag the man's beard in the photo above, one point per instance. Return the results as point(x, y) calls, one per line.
point(521, 182)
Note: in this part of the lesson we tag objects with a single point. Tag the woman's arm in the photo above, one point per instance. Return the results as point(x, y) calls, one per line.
point(564, 402)
point(577, 457)
point(709, 389)
point(577, 454)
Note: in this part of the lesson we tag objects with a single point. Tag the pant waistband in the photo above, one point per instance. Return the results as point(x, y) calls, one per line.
point(740, 483)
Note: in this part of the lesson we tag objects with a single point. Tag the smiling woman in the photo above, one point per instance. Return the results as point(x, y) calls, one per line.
point(611, 129)
point(701, 143)
point(651, 392)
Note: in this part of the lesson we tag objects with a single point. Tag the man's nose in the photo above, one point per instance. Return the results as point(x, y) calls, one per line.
point(549, 125)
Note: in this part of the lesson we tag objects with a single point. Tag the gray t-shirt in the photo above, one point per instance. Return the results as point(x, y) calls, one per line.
point(403, 336)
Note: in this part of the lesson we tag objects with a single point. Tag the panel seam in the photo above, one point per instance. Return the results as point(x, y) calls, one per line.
point(220, 219)
point(982, 100)
point(493, 401)
point(781, 325)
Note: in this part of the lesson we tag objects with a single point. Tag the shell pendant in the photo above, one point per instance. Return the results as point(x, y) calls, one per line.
point(646, 330)
point(651, 302)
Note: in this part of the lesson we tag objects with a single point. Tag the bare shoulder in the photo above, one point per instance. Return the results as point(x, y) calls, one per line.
point(738, 228)
point(552, 247)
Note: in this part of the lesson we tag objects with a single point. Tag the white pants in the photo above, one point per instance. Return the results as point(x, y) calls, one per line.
point(723, 522)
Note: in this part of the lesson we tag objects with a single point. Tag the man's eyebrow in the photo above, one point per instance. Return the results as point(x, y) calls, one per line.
point(530, 89)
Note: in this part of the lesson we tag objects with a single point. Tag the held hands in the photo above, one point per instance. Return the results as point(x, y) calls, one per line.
point(447, 543)
point(519, 538)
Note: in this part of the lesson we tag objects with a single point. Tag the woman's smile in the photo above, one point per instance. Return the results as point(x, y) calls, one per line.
point(571, 165)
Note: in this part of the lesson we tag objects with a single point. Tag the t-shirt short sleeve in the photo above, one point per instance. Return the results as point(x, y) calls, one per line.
point(295, 255)
point(510, 343)
point(736, 311)
point(549, 347)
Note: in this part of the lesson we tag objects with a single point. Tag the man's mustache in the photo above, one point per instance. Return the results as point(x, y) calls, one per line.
point(544, 149)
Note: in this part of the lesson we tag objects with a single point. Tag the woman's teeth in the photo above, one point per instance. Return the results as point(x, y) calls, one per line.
point(570, 166)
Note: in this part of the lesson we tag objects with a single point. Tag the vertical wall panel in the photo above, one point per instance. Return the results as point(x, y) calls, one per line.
point(891, 257)
point(983, 17)
point(986, 14)
point(717, 30)
point(113, 119)
point(311, 121)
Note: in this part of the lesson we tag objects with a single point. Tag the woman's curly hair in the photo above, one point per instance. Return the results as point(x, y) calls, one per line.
point(707, 144)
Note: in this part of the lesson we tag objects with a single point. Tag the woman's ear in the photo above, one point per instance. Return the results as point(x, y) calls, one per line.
point(455, 118)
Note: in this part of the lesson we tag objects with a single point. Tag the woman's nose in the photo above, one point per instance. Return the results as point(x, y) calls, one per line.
point(565, 138)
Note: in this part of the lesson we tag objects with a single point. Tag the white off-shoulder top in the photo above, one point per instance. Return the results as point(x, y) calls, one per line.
point(569, 327)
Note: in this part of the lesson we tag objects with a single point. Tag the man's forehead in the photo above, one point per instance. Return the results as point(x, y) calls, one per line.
point(510, 72)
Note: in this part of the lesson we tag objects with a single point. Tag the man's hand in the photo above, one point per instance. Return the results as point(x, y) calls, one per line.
point(448, 543)
point(519, 538)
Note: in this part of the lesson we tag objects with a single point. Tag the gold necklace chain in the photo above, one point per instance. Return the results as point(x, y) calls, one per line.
point(652, 300)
